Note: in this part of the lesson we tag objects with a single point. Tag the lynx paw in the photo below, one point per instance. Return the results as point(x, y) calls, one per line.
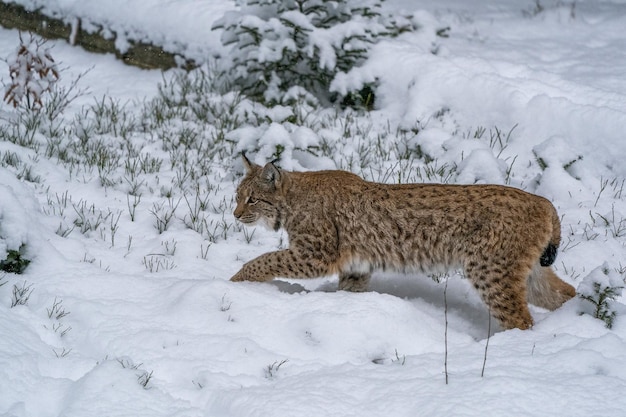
point(239, 276)
point(245, 275)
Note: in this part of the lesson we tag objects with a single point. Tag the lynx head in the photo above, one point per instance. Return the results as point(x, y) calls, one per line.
point(259, 195)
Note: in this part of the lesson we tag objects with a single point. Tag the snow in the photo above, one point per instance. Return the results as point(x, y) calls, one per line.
point(184, 341)
point(177, 26)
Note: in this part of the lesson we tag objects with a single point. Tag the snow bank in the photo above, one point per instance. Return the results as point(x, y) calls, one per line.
point(182, 27)
point(182, 340)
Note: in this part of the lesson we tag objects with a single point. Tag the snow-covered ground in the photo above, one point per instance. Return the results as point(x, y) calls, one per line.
point(125, 321)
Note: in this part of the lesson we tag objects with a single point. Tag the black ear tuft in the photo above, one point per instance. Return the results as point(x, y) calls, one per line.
point(247, 164)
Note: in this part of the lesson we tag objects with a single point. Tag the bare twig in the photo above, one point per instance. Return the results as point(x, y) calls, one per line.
point(482, 373)
point(445, 339)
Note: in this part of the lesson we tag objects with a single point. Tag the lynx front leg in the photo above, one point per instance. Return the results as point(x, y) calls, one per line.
point(284, 263)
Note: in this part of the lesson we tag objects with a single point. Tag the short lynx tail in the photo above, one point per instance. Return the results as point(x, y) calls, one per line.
point(545, 289)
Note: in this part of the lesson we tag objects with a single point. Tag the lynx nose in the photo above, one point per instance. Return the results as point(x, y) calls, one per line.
point(238, 212)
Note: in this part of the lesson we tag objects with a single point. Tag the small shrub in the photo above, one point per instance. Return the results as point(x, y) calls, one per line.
point(271, 370)
point(144, 379)
point(21, 294)
point(362, 99)
point(15, 262)
point(39, 98)
point(599, 291)
point(57, 311)
point(33, 74)
point(163, 215)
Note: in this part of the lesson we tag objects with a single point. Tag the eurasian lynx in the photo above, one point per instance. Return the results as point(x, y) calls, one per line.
point(503, 238)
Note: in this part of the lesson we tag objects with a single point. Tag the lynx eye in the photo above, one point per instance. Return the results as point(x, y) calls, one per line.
point(251, 200)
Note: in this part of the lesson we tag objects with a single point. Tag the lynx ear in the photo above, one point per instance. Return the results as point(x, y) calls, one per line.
point(247, 164)
point(271, 175)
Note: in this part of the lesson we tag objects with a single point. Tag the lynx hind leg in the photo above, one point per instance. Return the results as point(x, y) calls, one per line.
point(545, 289)
point(503, 288)
point(354, 281)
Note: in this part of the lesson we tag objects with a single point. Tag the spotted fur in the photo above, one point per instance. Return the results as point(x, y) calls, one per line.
point(501, 237)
